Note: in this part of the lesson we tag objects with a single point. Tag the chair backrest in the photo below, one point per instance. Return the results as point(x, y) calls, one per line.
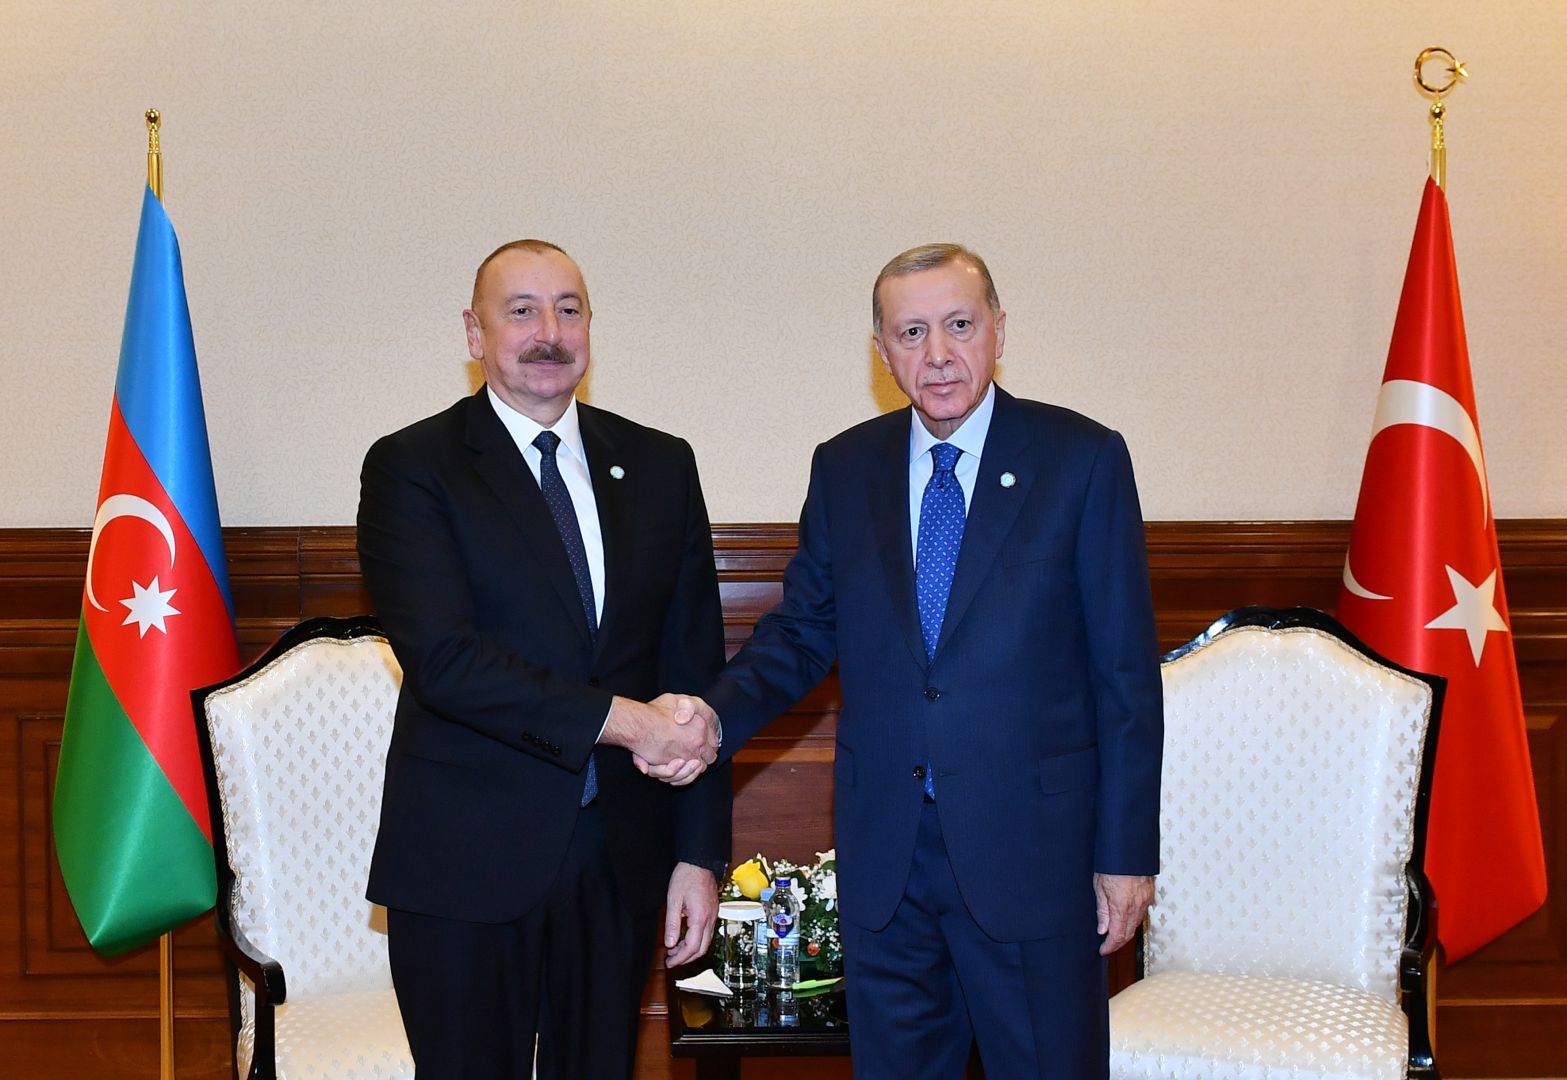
point(299, 752)
point(1292, 768)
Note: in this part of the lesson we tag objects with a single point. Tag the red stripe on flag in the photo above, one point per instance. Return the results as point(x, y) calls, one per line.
point(157, 621)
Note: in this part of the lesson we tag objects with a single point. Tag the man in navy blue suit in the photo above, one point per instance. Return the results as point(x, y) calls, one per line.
point(976, 567)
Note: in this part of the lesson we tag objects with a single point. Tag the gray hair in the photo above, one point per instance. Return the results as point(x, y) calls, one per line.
point(928, 257)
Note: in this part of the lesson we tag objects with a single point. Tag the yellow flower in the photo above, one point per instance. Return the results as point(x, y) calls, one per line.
point(749, 879)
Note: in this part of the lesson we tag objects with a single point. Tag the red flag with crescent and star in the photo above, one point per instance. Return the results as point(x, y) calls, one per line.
point(1423, 586)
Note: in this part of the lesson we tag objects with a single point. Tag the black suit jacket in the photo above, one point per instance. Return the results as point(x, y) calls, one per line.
point(503, 692)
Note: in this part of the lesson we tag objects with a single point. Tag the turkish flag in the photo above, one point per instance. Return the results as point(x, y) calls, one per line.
point(1423, 586)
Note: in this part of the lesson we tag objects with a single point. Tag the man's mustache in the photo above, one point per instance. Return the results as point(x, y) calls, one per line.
point(546, 354)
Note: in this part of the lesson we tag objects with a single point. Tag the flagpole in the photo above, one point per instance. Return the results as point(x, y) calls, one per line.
point(154, 153)
point(166, 940)
point(1455, 74)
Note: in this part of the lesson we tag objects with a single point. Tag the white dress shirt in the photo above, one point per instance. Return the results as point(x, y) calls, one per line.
point(970, 438)
point(573, 464)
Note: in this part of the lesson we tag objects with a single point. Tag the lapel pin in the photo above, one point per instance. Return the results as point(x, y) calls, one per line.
point(617, 472)
point(1007, 479)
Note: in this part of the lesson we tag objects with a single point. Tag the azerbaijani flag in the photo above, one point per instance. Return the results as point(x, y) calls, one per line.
point(130, 808)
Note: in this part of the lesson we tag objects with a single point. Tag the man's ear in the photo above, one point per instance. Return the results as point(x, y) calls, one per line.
point(881, 351)
point(1001, 332)
point(470, 322)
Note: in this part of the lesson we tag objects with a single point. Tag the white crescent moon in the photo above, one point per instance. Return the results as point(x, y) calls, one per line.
point(118, 506)
point(1404, 401)
point(1356, 587)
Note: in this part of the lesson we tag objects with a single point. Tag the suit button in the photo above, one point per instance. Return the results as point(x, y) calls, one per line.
point(919, 772)
point(931, 693)
point(555, 750)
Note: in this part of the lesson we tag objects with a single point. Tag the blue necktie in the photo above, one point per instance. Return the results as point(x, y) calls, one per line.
point(941, 534)
point(565, 514)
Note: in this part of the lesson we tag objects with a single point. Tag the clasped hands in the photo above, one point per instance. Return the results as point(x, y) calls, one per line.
point(673, 738)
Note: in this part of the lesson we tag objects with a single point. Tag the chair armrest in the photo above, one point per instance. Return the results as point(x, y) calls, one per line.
point(264, 973)
point(1140, 957)
point(1417, 975)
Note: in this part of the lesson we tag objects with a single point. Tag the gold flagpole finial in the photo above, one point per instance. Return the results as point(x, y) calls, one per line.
point(154, 154)
point(1456, 73)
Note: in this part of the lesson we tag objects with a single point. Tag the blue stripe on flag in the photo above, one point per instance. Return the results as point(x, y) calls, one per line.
point(159, 390)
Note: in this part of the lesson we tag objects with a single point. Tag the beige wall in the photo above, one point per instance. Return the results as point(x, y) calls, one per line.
point(1198, 215)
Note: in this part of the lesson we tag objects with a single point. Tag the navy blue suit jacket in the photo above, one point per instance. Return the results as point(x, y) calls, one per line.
point(504, 692)
point(1042, 710)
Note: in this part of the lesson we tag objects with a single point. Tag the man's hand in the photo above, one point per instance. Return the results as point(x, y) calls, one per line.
point(658, 736)
point(693, 896)
point(1122, 902)
point(686, 708)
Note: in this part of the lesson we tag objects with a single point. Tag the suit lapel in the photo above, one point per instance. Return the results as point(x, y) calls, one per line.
point(888, 498)
point(499, 463)
point(610, 495)
point(993, 509)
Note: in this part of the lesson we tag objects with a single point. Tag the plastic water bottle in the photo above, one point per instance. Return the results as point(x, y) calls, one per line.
point(783, 918)
point(764, 935)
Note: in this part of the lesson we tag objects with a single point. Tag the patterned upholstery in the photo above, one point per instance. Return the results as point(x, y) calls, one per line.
point(299, 752)
point(1240, 1027)
point(1291, 767)
point(337, 1037)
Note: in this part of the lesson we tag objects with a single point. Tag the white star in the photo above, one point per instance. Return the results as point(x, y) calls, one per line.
point(148, 607)
point(1474, 611)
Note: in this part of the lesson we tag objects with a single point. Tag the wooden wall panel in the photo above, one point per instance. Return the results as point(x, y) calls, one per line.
point(65, 1012)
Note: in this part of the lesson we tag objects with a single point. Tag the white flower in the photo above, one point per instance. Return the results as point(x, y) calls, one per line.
point(830, 855)
point(825, 886)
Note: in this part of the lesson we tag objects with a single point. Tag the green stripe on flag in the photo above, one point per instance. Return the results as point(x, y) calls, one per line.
point(134, 862)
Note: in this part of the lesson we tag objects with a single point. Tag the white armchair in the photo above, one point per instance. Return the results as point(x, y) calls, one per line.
point(1291, 933)
point(294, 749)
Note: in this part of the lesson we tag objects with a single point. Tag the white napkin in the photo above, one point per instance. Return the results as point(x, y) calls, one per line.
point(706, 983)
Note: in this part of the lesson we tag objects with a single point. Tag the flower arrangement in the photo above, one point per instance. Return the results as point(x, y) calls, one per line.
point(816, 889)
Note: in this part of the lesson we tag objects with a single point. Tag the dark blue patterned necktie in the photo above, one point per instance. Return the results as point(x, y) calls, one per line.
point(558, 499)
point(941, 534)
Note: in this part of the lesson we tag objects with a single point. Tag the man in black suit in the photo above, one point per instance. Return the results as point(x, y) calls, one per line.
point(541, 568)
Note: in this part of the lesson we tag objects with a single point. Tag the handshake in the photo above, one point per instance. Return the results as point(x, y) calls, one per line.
point(673, 738)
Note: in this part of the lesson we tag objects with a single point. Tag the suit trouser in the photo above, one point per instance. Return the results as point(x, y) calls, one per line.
point(473, 995)
point(923, 988)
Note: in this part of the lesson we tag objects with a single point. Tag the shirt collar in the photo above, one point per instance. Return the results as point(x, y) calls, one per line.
point(970, 438)
point(524, 429)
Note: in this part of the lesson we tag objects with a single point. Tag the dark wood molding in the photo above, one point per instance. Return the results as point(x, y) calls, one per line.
point(1503, 1012)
